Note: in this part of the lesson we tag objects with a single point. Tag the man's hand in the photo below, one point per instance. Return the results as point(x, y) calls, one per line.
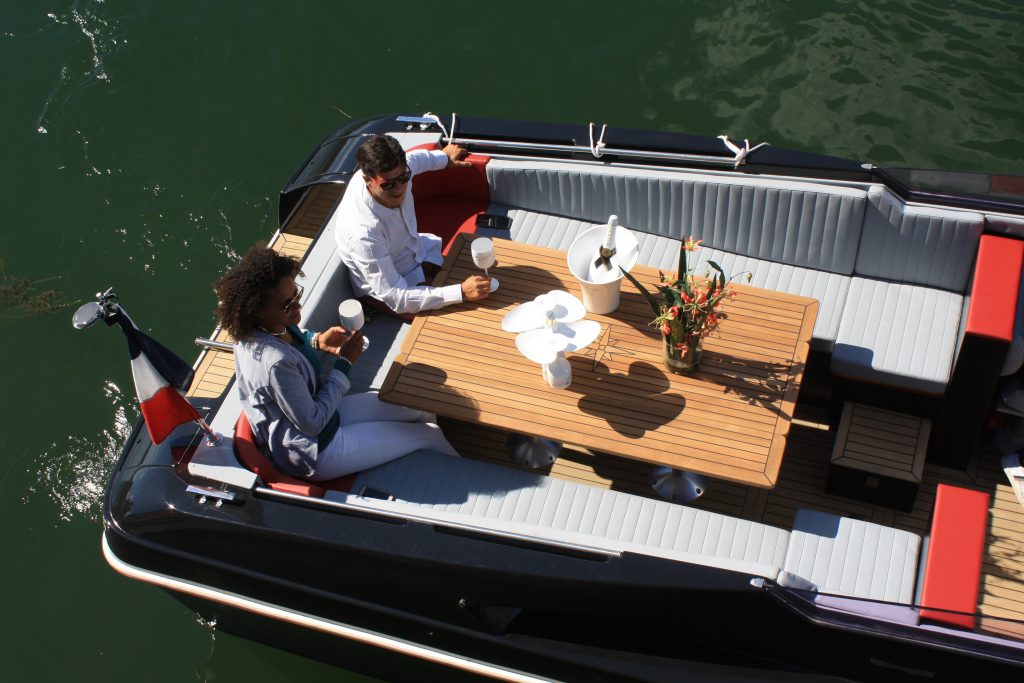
point(475, 288)
point(455, 156)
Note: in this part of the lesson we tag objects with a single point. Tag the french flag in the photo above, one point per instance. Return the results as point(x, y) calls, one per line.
point(160, 378)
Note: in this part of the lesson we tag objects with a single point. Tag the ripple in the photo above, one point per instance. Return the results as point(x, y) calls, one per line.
point(85, 64)
point(74, 474)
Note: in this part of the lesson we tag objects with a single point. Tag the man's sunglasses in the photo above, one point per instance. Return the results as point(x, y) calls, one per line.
point(395, 182)
point(294, 301)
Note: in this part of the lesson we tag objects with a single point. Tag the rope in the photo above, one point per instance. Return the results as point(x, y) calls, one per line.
point(740, 152)
point(597, 149)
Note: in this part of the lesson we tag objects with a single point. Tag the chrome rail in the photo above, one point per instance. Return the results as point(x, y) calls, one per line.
point(213, 344)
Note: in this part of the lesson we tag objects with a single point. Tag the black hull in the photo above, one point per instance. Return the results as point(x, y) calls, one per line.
point(329, 586)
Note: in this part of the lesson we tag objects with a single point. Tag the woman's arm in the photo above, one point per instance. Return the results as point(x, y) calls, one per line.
point(309, 413)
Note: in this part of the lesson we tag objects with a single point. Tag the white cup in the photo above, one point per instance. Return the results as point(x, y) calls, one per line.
point(350, 316)
point(482, 250)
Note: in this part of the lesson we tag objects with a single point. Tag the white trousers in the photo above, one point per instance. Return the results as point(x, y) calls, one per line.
point(373, 432)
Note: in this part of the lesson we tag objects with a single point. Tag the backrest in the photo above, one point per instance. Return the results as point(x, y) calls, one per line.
point(252, 458)
point(917, 245)
point(798, 223)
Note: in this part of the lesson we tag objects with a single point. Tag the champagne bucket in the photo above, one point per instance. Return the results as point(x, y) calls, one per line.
point(600, 286)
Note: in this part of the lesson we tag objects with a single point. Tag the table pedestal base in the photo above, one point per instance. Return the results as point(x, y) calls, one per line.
point(677, 486)
point(532, 451)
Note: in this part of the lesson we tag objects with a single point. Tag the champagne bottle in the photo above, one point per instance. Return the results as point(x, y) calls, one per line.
point(607, 250)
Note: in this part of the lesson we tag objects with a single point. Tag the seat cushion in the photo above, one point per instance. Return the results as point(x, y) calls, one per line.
point(657, 251)
point(487, 495)
point(899, 335)
point(844, 556)
point(830, 289)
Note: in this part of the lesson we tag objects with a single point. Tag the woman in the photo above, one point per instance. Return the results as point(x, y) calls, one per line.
point(293, 382)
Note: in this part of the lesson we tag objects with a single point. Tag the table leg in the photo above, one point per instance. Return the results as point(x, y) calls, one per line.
point(531, 451)
point(677, 486)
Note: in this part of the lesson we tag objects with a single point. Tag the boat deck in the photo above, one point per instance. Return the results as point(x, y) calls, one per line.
point(801, 481)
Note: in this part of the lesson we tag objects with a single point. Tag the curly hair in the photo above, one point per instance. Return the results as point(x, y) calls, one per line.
point(380, 154)
point(243, 290)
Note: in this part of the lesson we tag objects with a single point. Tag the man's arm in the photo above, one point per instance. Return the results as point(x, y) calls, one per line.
point(422, 160)
point(370, 255)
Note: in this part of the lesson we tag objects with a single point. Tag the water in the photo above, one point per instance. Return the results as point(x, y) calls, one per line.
point(144, 146)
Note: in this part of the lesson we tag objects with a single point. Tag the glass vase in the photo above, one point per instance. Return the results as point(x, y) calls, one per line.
point(682, 357)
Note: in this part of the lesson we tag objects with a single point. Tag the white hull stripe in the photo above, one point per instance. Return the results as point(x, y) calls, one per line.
point(312, 622)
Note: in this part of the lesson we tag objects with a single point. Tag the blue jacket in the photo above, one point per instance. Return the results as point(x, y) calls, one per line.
point(277, 386)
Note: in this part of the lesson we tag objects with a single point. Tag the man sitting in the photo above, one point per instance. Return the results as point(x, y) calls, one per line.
point(388, 260)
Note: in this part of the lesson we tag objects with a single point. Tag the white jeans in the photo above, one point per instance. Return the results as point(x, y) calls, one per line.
point(373, 432)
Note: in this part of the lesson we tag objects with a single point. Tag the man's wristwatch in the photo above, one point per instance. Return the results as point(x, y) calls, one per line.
point(314, 341)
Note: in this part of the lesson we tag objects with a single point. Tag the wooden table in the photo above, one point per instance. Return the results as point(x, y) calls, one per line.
point(728, 420)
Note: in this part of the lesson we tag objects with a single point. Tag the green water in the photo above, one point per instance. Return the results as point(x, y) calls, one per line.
point(144, 146)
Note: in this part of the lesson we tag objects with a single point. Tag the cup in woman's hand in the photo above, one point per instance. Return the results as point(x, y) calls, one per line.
point(350, 314)
point(482, 250)
point(353, 347)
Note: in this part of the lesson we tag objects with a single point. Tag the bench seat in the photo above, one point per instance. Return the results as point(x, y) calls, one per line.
point(487, 495)
point(658, 251)
point(850, 557)
point(898, 334)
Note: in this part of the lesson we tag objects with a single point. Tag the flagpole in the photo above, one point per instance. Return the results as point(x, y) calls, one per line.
point(212, 438)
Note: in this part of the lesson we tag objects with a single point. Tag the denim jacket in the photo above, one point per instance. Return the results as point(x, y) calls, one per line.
point(279, 397)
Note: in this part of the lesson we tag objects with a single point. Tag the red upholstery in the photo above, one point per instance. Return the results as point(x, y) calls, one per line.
point(994, 293)
point(448, 201)
point(251, 456)
point(953, 566)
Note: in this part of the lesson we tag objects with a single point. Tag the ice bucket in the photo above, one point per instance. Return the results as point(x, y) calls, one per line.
point(600, 286)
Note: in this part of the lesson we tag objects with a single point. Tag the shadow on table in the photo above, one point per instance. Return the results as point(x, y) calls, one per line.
point(759, 383)
point(632, 404)
point(433, 380)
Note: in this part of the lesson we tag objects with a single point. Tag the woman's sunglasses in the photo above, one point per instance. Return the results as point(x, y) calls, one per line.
point(294, 301)
point(395, 182)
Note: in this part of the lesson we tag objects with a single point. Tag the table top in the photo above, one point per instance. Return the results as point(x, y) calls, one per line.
point(727, 420)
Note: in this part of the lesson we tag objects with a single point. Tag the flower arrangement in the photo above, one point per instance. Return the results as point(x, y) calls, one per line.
point(688, 310)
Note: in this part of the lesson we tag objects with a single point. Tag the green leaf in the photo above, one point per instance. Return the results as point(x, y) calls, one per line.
point(655, 306)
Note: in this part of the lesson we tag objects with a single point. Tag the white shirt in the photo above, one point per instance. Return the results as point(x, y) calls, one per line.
point(383, 249)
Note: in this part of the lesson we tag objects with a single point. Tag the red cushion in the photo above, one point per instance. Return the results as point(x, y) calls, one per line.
point(953, 566)
point(252, 457)
point(448, 201)
point(994, 293)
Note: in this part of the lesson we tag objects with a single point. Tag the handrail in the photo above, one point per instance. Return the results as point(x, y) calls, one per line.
point(597, 149)
point(213, 344)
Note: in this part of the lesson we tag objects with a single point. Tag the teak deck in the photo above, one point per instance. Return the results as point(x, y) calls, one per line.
point(801, 481)
point(728, 420)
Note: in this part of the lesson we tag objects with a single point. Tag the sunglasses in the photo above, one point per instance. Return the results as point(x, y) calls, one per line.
point(395, 182)
point(294, 301)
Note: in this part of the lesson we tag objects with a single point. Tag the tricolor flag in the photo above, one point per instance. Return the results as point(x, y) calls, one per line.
point(160, 378)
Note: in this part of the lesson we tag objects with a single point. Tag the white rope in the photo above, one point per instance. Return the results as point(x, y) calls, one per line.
point(436, 119)
point(597, 149)
point(740, 152)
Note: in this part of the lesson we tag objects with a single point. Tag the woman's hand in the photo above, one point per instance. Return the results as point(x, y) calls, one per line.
point(332, 340)
point(353, 347)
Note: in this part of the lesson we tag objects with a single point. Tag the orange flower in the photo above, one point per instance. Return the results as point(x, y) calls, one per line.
point(686, 297)
point(690, 244)
point(673, 313)
point(666, 330)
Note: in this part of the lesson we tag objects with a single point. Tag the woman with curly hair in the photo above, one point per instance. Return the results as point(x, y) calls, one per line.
point(293, 382)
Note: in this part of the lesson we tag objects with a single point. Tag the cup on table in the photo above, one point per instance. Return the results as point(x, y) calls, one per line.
point(482, 250)
point(351, 317)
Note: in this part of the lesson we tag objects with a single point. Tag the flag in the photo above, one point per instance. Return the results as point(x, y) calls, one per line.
point(160, 378)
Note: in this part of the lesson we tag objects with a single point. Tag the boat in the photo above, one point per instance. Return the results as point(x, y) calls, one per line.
point(428, 567)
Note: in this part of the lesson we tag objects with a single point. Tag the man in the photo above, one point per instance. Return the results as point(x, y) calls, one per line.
point(388, 260)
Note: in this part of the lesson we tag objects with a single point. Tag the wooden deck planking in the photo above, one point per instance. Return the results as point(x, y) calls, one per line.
point(801, 477)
